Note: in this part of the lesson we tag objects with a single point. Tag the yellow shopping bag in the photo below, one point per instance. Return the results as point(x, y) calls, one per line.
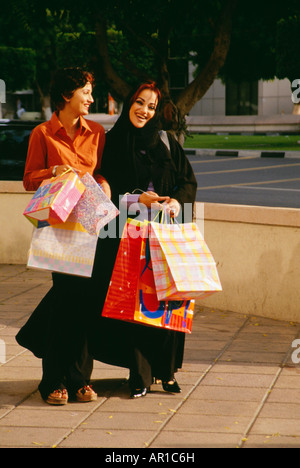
point(183, 265)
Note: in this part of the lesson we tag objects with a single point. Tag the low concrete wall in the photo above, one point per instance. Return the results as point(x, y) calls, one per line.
point(283, 123)
point(257, 251)
point(15, 229)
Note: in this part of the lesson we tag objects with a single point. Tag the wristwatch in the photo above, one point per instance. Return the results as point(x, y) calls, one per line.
point(54, 171)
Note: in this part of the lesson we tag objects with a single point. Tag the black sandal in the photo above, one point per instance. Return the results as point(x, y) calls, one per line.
point(172, 387)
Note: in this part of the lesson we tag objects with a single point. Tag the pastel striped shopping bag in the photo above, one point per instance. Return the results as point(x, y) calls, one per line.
point(63, 248)
point(183, 265)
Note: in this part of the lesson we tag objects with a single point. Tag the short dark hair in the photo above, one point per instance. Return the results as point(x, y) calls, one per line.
point(65, 82)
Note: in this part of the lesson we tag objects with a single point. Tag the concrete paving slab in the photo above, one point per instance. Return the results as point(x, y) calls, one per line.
point(240, 386)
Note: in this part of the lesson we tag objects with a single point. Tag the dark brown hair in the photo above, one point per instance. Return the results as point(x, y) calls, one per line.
point(65, 82)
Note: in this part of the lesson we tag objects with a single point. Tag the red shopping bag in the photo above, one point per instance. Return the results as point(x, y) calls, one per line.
point(132, 294)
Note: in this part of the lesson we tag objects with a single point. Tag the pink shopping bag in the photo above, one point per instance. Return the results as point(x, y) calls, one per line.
point(94, 209)
point(55, 199)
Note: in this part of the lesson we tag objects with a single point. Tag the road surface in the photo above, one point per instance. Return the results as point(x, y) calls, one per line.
point(248, 180)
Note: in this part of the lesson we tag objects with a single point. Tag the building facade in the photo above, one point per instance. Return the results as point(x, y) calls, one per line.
point(249, 98)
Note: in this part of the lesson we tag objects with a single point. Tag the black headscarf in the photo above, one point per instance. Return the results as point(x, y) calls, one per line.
point(132, 156)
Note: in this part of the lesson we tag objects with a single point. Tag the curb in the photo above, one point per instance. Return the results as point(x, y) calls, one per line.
point(241, 153)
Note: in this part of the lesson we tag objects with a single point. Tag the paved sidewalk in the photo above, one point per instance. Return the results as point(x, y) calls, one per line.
point(240, 387)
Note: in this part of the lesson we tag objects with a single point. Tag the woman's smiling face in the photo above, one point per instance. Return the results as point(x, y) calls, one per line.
point(81, 100)
point(143, 108)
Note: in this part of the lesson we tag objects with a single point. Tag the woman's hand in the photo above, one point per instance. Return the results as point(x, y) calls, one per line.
point(106, 188)
point(152, 200)
point(59, 170)
point(172, 207)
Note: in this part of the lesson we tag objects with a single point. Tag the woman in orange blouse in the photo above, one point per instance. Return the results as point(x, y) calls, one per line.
point(57, 329)
point(67, 140)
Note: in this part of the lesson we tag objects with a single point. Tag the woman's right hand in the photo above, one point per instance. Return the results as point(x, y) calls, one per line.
point(59, 170)
point(152, 200)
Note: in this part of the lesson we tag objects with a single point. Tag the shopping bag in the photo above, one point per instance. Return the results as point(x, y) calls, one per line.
point(63, 248)
point(94, 209)
point(132, 294)
point(183, 265)
point(54, 200)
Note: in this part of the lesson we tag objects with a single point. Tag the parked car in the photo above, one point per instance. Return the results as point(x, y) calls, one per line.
point(14, 137)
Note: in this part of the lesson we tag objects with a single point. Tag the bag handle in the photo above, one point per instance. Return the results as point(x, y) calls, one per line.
point(162, 210)
point(63, 173)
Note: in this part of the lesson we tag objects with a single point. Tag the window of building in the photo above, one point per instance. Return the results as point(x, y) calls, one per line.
point(242, 98)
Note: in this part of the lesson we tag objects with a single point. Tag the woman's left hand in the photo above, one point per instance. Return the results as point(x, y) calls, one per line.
point(172, 207)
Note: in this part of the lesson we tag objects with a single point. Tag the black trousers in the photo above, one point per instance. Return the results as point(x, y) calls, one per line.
point(71, 370)
point(57, 333)
point(66, 360)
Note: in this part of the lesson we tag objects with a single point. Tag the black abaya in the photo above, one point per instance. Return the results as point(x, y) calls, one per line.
point(132, 159)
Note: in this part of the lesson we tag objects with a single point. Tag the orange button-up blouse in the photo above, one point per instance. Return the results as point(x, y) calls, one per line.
point(49, 146)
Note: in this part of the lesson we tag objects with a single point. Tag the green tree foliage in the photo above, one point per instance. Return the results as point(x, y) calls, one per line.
point(126, 41)
point(18, 67)
point(287, 45)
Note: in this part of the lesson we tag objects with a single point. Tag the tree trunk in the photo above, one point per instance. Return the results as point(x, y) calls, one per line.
point(296, 109)
point(118, 87)
point(46, 107)
point(45, 103)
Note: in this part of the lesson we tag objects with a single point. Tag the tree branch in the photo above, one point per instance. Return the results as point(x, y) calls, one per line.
point(199, 86)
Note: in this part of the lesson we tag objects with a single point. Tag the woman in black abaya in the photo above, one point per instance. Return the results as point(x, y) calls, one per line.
point(135, 157)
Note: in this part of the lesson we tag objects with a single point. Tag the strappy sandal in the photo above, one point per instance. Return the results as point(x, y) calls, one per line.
point(85, 394)
point(58, 397)
point(171, 386)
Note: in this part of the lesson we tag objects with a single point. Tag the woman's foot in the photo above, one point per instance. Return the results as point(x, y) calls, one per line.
point(171, 386)
point(58, 397)
point(86, 394)
point(138, 392)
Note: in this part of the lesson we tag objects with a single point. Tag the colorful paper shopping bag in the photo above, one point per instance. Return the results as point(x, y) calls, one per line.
point(171, 314)
point(55, 199)
point(132, 294)
point(63, 248)
point(183, 265)
point(94, 209)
